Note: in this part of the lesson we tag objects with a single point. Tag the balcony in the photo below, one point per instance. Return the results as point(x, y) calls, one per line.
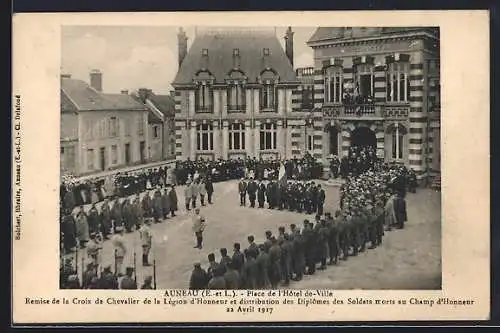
point(236, 108)
point(366, 111)
point(204, 109)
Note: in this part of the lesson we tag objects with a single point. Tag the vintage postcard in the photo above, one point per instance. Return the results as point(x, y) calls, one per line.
point(234, 167)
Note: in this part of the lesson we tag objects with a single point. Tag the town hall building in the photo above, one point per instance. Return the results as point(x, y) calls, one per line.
point(237, 94)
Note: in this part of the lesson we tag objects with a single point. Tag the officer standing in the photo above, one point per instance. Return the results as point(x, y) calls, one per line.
point(198, 228)
point(120, 249)
point(242, 188)
point(261, 194)
point(252, 189)
point(146, 237)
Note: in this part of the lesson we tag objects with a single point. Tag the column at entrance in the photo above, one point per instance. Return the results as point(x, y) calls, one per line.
point(256, 137)
point(225, 140)
point(192, 141)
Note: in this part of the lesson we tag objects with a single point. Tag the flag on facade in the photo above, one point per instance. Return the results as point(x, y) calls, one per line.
point(282, 174)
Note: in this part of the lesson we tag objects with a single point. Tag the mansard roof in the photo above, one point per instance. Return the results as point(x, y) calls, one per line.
point(219, 61)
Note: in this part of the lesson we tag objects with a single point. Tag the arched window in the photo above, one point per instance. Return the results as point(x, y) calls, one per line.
point(363, 81)
point(204, 98)
point(268, 136)
point(333, 84)
point(237, 137)
point(268, 100)
point(398, 83)
point(205, 137)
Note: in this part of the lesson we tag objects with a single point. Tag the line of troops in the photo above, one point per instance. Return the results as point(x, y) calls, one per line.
point(77, 226)
point(292, 195)
point(368, 210)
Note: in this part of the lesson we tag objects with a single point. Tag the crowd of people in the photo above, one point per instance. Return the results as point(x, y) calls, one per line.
point(74, 193)
point(372, 196)
point(371, 204)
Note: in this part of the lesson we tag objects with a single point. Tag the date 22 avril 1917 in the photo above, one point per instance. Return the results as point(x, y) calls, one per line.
point(17, 168)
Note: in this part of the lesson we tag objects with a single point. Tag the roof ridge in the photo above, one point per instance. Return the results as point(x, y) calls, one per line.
point(70, 99)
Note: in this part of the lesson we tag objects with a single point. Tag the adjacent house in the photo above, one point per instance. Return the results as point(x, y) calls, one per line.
point(100, 131)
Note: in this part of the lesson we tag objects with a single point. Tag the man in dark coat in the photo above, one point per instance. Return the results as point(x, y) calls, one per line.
point(212, 266)
point(262, 262)
point(252, 190)
point(275, 263)
point(253, 249)
point(209, 186)
point(270, 195)
point(105, 217)
point(225, 259)
point(173, 200)
point(232, 276)
point(286, 259)
point(147, 205)
point(238, 258)
point(298, 259)
point(242, 189)
point(199, 278)
point(93, 219)
point(320, 198)
point(117, 214)
point(165, 203)
point(400, 210)
point(217, 281)
point(68, 229)
point(249, 272)
point(323, 237)
point(261, 194)
point(108, 280)
point(128, 282)
point(157, 206)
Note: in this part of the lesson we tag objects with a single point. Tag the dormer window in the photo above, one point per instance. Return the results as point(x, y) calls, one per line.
point(236, 52)
point(204, 52)
point(266, 52)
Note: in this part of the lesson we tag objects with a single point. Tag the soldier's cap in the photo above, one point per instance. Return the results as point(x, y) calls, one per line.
point(197, 264)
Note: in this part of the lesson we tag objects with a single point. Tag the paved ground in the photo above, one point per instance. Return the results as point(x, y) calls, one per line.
point(408, 259)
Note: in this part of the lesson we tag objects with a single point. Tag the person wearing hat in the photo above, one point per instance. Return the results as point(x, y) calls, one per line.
point(242, 190)
point(261, 194)
point(148, 282)
point(238, 258)
point(172, 195)
point(262, 262)
point(128, 282)
point(252, 190)
point(108, 280)
point(209, 187)
point(198, 228)
point(119, 244)
point(146, 237)
point(199, 278)
point(94, 247)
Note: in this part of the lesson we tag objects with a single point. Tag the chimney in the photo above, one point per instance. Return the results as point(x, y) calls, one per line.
point(172, 93)
point(236, 58)
point(144, 93)
point(124, 92)
point(182, 45)
point(96, 79)
point(289, 44)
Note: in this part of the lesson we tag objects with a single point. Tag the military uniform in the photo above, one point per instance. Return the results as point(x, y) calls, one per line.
point(252, 189)
point(242, 188)
point(146, 237)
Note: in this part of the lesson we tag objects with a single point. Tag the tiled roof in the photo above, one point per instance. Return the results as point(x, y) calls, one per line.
point(327, 33)
point(84, 98)
point(220, 46)
point(165, 103)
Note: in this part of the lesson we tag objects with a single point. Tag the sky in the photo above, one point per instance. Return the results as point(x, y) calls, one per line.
point(132, 57)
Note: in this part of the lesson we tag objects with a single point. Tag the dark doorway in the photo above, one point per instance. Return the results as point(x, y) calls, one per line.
point(363, 137)
point(142, 147)
point(334, 142)
point(102, 158)
point(127, 153)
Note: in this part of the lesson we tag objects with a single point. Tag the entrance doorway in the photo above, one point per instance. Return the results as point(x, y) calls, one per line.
point(102, 158)
point(127, 153)
point(142, 147)
point(334, 141)
point(363, 137)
